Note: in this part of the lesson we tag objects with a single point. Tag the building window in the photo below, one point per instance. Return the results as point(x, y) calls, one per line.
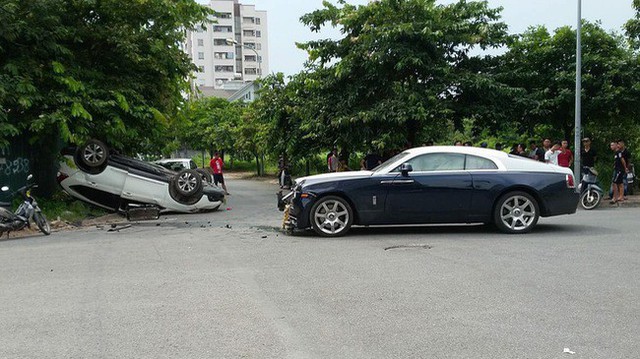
point(200, 42)
point(220, 42)
point(249, 33)
point(223, 15)
point(222, 29)
point(223, 55)
point(220, 68)
point(200, 55)
point(201, 69)
point(258, 33)
point(257, 21)
point(259, 58)
point(258, 46)
point(248, 20)
point(250, 58)
point(200, 28)
point(250, 71)
point(250, 45)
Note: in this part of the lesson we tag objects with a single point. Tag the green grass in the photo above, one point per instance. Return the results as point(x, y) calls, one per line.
point(67, 208)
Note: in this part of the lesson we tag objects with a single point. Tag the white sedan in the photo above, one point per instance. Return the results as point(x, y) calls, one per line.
point(94, 174)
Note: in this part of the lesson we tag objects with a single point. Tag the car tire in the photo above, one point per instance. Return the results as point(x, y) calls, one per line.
point(92, 156)
point(187, 201)
point(331, 216)
point(516, 212)
point(188, 183)
point(206, 176)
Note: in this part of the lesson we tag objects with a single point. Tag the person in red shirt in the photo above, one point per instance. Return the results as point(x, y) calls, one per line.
point(216, 165)
point(565, 158)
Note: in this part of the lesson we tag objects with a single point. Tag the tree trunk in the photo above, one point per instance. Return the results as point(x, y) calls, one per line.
point(257, 163)
point(308, 172)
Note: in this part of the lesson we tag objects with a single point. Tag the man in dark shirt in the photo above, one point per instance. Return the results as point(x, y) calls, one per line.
point(370, 161)
point(536, 153)
point(627, 160)
point(588, 154)
point(619, 173)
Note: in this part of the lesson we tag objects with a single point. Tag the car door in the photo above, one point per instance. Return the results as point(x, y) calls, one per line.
point(438, 190)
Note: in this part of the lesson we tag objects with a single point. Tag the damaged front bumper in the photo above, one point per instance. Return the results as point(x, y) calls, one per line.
point(285, 204)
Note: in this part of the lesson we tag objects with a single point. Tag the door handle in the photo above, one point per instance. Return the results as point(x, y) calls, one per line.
point(404, 181)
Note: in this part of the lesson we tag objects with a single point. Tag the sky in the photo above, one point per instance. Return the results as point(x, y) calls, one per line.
point(285, 28)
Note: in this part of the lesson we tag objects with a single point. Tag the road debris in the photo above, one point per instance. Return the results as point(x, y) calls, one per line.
point(116, 228)
point(568, 351)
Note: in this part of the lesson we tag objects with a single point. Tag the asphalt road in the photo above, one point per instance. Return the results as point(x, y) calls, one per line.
point(228, 285)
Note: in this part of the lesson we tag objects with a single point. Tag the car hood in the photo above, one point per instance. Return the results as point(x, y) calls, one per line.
point(334, 176)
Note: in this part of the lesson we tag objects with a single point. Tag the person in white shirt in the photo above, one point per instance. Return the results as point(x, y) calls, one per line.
point(551, 156)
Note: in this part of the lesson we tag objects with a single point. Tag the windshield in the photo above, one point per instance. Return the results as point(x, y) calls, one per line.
point(385, 167)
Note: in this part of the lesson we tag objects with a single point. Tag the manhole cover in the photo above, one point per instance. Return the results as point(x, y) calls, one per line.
point(409, 246)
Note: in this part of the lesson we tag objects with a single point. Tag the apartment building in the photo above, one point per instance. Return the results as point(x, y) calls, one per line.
point(231, 50)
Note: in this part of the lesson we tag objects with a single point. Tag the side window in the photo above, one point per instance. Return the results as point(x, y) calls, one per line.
point(479, 163)
point(192, 165)
point(438, 162)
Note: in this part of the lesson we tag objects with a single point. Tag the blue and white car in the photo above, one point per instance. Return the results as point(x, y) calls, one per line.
point(434, 185)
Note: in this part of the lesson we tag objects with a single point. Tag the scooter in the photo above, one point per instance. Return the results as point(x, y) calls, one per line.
point(26, 211)
point(590, 193)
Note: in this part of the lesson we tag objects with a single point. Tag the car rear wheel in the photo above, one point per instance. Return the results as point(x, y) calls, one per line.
point(206, 176)
point(92, 156)
point(331, 216)
point(188, 183)
point(516, 212)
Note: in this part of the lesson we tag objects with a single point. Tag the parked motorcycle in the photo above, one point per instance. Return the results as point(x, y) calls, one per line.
point(590, 193)
point(26, 211)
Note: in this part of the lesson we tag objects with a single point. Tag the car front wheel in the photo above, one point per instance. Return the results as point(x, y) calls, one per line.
point(331, 216)
point(516, 212)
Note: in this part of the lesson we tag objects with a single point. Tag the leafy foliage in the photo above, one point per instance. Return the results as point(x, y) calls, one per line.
point(87, 68)
point(394, 76)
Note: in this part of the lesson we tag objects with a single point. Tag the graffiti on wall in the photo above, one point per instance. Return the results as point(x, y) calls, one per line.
point(17, 166)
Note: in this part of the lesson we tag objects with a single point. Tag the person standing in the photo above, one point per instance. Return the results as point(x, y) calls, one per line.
point(551, 156)
point(332, 161)
point(588, 154)
point(535, 152)
point(627, 159)
point(619, 173)
point(217, 165)
point(565, 157)
point(370, 161)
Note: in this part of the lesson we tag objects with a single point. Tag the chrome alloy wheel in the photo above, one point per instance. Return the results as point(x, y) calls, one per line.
point(94, 154)
point(518, 213)
point(187, 182)
point(331, 217)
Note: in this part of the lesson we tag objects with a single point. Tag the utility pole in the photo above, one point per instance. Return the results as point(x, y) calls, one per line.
point(578, 125)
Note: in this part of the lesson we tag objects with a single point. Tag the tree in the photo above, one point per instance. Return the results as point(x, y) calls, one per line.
point(87, 68)
point(394, 76)
point(632, 26)
point(540, 67)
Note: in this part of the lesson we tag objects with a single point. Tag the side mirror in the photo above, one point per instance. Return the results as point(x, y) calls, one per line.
point(29, 177)
point(405, 168)
point(4, 188)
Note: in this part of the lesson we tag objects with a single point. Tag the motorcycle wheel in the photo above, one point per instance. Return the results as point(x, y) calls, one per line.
point(41, 222)
point(590, 199)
